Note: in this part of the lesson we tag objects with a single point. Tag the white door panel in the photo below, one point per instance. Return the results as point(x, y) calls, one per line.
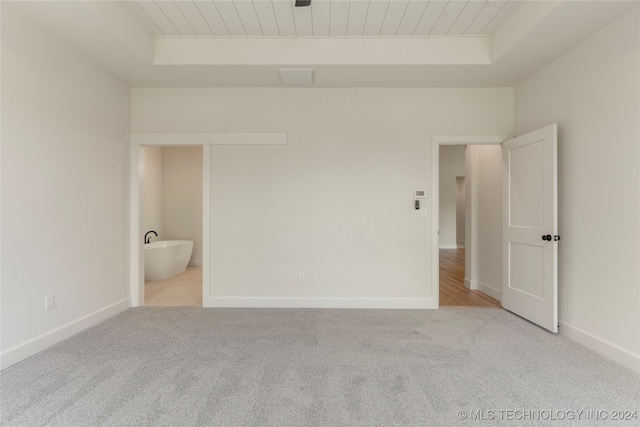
point(530, 285)
point(526, 187)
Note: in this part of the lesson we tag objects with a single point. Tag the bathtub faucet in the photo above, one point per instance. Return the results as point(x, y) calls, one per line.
point(149, 239)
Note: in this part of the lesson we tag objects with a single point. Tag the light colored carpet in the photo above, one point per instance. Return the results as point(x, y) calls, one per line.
point(176, 366)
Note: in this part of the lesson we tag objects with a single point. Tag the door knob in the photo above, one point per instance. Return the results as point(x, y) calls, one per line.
point(546, 237)
point(556, 238)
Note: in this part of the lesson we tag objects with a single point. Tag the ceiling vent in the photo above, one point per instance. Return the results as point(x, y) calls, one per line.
point(296, 76)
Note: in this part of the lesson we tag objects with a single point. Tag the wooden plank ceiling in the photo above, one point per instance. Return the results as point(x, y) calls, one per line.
point(324, 18)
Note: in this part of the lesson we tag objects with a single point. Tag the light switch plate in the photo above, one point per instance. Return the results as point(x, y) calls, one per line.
point(420, 194)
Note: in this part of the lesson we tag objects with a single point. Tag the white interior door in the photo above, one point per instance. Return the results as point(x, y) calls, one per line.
point(530, 230)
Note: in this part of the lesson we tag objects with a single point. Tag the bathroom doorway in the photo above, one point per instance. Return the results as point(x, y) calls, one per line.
point(171, 218)
point(141, 140)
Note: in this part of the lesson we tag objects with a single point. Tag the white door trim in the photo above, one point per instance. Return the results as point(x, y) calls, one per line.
point(138, 140)
point(436, 142)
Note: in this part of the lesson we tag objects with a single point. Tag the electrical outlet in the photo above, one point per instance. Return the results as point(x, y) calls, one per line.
point(49, 302)
point(323, 276)
point(301, 276)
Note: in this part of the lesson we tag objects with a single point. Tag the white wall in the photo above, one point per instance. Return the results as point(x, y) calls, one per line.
point(338, 198)
point(151, 192)
point(182, 197)
point(460, 208)
point(470, 219)
point(451, 167)
point(592, 92)
point(488, 233)
point(483, 219)
point(65, 133)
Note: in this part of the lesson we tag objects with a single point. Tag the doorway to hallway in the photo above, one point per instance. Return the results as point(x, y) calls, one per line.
point(469, 226)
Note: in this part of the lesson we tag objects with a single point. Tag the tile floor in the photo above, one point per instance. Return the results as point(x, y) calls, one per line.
point(183, 290)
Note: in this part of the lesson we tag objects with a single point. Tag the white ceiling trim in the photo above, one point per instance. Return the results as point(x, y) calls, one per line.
point(214, 138)
point(391, 51)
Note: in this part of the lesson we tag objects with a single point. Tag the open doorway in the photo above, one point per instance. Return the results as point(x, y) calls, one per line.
point(454, 199)
point(468, 219)
point(171, 219)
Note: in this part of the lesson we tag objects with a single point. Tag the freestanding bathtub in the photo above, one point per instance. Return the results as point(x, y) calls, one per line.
point(166, 258)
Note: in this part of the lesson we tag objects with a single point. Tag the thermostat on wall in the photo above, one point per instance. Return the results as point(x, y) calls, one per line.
point(421, 194)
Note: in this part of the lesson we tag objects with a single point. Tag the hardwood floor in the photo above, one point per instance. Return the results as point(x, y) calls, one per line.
point(452, 290)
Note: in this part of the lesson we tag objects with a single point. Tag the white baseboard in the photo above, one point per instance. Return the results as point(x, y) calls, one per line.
point(470, 284)
point(491, 291)
point(603, 347)
point(476, 285)
point(448, 246)
point(460, 244)
point(36, 345)
point(266, 302)
point(195, 263)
